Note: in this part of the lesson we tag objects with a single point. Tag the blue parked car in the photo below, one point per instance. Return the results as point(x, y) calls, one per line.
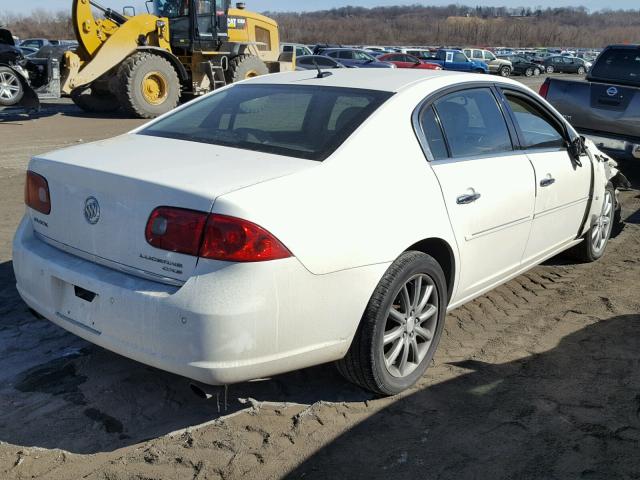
point(354, 58)
point(457, 60)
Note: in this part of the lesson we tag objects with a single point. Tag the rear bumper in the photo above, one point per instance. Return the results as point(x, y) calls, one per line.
point(620, 148)
point(229, 322)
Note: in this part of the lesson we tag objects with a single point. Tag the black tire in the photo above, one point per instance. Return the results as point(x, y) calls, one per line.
point(141, 67)
point(585, 251)
point(245, 66)
point(550, 69)
point(581, 71)
point(505, 71)
point(94, 101)
point(13, 91)
point(528, 72)
point(364, 363)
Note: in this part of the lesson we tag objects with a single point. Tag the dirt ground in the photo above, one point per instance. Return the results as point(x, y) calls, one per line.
point(538, 379)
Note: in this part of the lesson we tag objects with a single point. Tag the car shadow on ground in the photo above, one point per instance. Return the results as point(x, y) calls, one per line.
point(58, 391)
point(571, 412)
point(50, 109)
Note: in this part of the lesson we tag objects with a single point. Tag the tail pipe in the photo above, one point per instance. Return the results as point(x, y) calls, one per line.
point(210, 392)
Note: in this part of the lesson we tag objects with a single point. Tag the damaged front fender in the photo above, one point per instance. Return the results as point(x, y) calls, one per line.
point(15, 90)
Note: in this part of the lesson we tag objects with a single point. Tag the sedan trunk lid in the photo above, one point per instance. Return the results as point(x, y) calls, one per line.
point(103, 193)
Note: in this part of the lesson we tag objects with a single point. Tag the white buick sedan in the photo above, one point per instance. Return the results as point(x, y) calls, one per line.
point(297, 219)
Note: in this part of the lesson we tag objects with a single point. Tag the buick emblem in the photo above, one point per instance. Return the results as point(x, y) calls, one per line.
point(612, 91)
point(92, 210)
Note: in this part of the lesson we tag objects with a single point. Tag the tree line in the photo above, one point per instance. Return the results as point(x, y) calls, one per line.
point(413, 25)
point(460, 25)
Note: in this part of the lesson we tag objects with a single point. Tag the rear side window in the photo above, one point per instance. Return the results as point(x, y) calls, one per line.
point(473, 123)
point(433, 134)
point(618, 64)
point(325, 62)
point(536, 129)
point(294, 120)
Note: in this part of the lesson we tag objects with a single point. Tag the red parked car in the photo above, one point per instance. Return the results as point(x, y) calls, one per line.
point(402, 60)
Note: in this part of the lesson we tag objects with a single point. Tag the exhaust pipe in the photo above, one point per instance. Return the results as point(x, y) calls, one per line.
point(209, 392)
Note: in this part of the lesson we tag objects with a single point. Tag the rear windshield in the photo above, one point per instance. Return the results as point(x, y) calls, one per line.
point(307, 122)
point(618, 64)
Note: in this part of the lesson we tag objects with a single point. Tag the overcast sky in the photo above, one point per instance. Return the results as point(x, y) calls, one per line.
point(25, 6)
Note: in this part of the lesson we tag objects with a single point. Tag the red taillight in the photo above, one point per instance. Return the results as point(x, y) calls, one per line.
point(235, 240)
point(544, 89)
point(218, 237)
point(36, 193)
point(176, 229)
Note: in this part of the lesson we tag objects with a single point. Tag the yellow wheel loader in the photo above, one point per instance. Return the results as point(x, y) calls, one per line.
point(143, 64)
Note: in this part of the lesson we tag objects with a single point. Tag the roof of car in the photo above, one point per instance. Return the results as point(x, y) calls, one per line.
point(387, 80)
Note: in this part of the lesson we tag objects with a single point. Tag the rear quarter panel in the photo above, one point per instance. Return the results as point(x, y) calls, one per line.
point(371, 200)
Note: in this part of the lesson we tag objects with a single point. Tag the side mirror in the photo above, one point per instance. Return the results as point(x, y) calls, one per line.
point(576, 149)
point(129, 11)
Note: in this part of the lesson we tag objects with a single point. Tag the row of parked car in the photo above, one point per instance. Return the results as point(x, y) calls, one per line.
point(30, 46)
point(468, 60)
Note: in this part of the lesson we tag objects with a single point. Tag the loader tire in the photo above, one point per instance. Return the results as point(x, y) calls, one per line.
point(93, 101)
point(245, 66)
point(148, 85)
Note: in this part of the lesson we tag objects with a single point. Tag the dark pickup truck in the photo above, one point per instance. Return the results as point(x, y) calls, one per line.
point(606, 106)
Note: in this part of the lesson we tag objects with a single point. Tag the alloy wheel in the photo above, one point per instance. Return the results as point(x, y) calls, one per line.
point(602, 228)
point(410, 326)
point(9, 86)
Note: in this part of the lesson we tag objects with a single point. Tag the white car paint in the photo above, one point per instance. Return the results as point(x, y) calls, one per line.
point(345, 220)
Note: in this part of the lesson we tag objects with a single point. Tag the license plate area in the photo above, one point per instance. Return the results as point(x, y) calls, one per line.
point(76, 305)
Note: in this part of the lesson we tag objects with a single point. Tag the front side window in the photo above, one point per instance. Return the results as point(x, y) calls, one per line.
point(473, 123)
point(459, 57)
point(489, 56)
point(263, 38)
point(534, 126)
point(363, 56)
point(171, 8)
point(346, 54)
point(294, 120)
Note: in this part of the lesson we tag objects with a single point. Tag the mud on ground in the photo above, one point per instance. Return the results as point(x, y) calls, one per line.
point(538, 379)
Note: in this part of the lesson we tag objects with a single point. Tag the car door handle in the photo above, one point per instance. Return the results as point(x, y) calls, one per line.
point(467, 198)
point(545, 182)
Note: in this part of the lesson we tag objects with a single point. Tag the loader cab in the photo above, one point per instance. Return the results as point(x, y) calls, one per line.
point(199, 25)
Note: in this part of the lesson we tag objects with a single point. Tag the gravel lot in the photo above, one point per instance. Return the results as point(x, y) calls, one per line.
point(538, 379)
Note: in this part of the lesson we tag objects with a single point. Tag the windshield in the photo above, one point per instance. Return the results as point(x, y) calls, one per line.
point(307, 122)
point(619, 64)
point(171, 8)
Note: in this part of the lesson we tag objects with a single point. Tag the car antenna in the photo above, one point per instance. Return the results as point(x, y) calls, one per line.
point(321, 74)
